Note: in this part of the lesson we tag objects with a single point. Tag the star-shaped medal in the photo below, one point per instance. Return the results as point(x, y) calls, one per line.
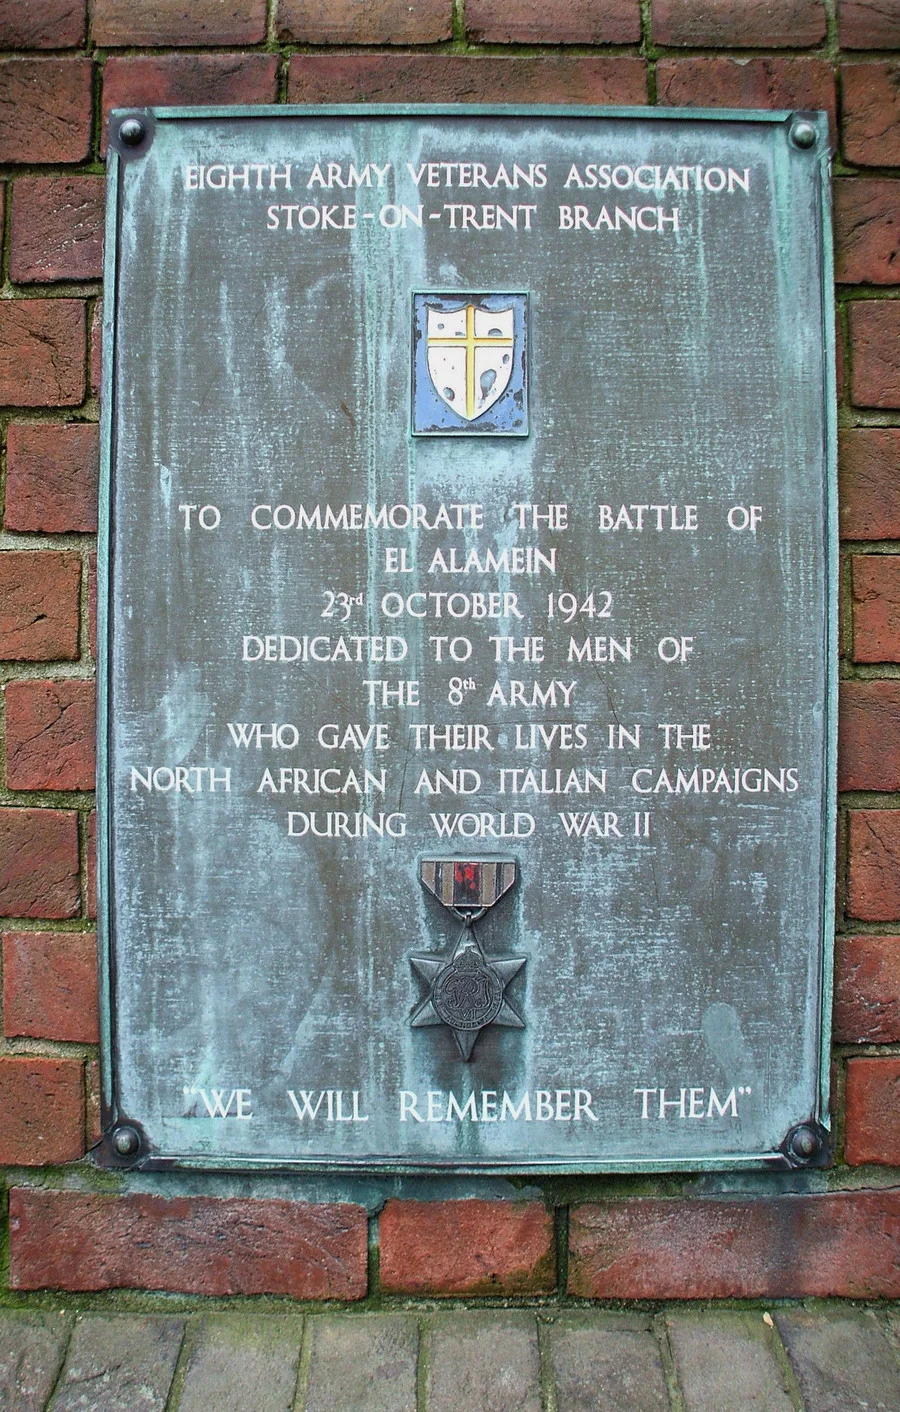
point(467, 992)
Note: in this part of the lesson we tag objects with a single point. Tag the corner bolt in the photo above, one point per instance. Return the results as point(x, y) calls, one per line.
point(126, 1141)
point(803, 134)
point(804, 1144)
point(132, 132)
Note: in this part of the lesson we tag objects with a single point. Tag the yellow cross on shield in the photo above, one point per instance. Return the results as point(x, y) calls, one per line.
point(469, 354)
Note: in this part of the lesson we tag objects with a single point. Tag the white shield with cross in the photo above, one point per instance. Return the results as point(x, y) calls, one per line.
point(470, 357)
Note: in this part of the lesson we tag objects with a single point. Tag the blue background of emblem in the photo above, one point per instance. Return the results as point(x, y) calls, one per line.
point(509, 414)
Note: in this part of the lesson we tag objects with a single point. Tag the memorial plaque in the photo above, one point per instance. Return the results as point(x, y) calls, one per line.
point(467, 616)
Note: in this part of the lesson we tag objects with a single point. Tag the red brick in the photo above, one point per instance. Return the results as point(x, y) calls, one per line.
point(376, 22)
point(56, 229)
point(51, 477)
point(737, 24)
point(197, 79)
point(449, 78)
point(869, 483)
point(42, 352)
point(803, 1246)
point(50, 986)
point(92, 603)
point(466, 1247)
point(192, 1244)
point(39, 606)
point(536, 22)
point(872, 114)
point(867, 990)
point(867, 230)
point(45, 110)
point(718, 82)
point(875, 353)
point(876, 608)
point(93, 1104)
point(42, 24)
point(95, 369)
point(50, 727)
point(39, 863)
point(873, 1112)
point(192, 23)
point(868, 735)
point(874, 882)
point(869, 24)
point(91, 865)
point(42, 1103)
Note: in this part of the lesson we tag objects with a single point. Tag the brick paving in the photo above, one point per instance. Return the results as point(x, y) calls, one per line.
point(816, 1357)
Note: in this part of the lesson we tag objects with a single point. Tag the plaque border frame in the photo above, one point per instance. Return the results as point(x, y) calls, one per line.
point(113, 1120)
point(417, 293)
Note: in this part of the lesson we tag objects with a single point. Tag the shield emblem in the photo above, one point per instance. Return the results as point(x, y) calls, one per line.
point(469, 355)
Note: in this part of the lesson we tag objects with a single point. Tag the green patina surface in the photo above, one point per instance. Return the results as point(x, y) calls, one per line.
point(162, 388)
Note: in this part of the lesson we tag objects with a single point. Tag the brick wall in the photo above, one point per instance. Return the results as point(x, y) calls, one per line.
point(70, 1228)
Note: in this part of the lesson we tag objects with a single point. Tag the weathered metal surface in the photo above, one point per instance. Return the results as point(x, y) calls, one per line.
point(375, 603)
point(466, 990)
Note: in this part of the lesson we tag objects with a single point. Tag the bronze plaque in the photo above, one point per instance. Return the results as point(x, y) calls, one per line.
point(467, 639)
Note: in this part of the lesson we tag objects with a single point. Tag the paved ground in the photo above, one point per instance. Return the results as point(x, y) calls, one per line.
point(820, 1358)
